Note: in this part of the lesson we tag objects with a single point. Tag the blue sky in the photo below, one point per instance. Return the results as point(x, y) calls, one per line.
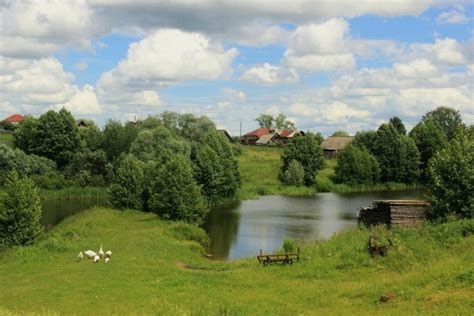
point(325, 65)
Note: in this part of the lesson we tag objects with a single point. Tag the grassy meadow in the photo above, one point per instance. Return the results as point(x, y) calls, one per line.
point(260, 166)
point(157, 267)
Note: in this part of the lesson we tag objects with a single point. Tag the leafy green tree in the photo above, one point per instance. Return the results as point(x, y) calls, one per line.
point(448, 119)
point(127, 188)
point(151, 122)
point(429, 139)
point(397, 155)
point(281, 122)
point(25, 135)
point(174, 194)
point(7, 125)
point(265, 120)
point(208, 171)
point(307, 151)
point(451, 172)
point(294, 175)
point(91, 137)
point(88, 168)
point(365, 139)
point(20, 212)
point(58, 137)
point(340, 133)
point(154, 144)
point(355, 165)
point(118, 138)
point(398, 124)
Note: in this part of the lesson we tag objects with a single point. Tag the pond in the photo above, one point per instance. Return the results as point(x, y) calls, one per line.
point(243, 228)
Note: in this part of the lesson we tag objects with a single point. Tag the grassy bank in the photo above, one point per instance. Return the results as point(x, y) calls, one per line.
point(155, 270)
point(260, 166)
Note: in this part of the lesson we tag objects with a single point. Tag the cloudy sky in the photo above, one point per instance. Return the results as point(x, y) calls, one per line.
point(327, 65)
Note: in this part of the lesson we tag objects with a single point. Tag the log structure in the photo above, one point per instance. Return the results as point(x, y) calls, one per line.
point(393, 212)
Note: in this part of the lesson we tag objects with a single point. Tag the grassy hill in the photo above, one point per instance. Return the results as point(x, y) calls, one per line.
point(157, 269)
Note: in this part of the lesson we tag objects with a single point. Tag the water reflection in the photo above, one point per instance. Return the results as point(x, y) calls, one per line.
point(241, 229)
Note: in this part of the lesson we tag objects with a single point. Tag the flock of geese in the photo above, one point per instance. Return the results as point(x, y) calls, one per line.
point(95, 256)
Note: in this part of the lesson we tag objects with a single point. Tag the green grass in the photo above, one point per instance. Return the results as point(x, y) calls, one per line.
point(6, 138)
point(154, 270)
point(259, 167)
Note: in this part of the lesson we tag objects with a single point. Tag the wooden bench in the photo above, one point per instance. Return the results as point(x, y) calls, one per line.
point(284, 258)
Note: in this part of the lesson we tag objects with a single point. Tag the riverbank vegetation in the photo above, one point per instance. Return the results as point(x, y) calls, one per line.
point(160, 269)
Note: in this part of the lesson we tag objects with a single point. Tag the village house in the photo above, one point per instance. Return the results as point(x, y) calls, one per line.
point(334, 144)
point(15, 119)
point(267, 136)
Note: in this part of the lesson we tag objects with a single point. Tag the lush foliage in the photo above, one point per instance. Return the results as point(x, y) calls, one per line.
point(20, 212)
point(294, 175)
point(174, 194)
point(340, 133)
point(355, 165)
point(118, 138)
point(398, 124)
point(307, 151)
point(126, 190)
point(429, 139)
point(448, 119)
point(397, 155)
point(279, 121)
point(451, 173)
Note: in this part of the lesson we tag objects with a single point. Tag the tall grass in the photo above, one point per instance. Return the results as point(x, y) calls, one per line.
point(74, 193)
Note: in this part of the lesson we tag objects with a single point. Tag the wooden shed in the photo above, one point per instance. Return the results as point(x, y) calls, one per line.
point(334, 144)
point(393, 212)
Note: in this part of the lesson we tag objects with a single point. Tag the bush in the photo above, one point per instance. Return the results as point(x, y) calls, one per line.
point(294, 175)
point(52, 180)
point(174, 194)
point(20, 212)
point(289, 246)
point(356, 166)
point(185, 231)
point(127, 187)
point(307, 151)
point(451, 184)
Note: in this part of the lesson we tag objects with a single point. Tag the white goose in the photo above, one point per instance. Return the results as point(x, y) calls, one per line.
point(101, 252)
point(96, 259)
point(90, 254)
point(80, 256)
point(108, 254)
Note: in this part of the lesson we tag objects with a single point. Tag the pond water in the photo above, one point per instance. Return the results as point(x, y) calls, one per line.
point(243, 228)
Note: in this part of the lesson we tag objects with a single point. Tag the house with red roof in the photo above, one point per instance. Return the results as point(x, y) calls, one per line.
point(251, 137)
point(15, 118)
point(268, 136)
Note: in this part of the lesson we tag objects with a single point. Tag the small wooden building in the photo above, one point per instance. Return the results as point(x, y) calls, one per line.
point(393, 212)
point(333, 145)
point(251, 137)
point(226, 135)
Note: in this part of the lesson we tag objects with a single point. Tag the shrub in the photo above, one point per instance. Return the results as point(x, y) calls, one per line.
point(127, 187)
point(20, 212)
point(185, 231)
point(174, 194)
point(451, 184)
point(52, 180)
point(289, 245)
point(307, 151)
point(294, 175)
point(356, 166)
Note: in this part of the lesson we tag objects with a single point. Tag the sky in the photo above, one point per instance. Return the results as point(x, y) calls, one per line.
point(327, 65)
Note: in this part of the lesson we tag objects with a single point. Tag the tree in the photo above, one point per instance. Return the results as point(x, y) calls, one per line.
point(91, 137)
point(448, 119)
point(208, 172)
point(7, 125)
point(54, 136)
point(340, 133)
point(127, 188)
point(355, 165)
point(20, 212)
point(118, 138)
point(294, 175)
point(282, 123)
point(365, 139)
point(88, 168)
point(429, 139)
point(174, 194)
point(307, 151)
point(398, 124)
point(265, 120)
point(397, 155)
point(451, 184)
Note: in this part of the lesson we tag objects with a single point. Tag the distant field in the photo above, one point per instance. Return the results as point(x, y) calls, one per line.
point(155, 269)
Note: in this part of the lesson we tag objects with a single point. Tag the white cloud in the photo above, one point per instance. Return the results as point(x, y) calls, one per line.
point(446, 51)
point(83, 102)
point(339, 110)
point(455, 16)
point(234, 95)
point(270, 75)
point(320, 47)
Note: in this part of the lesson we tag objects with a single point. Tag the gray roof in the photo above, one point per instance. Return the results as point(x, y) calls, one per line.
point(265, 139)
point(336, 142)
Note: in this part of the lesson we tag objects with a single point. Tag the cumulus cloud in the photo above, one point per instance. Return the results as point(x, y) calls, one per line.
point(270, 75)
point(455, 16)
point(234, 95)
point(320, 47)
